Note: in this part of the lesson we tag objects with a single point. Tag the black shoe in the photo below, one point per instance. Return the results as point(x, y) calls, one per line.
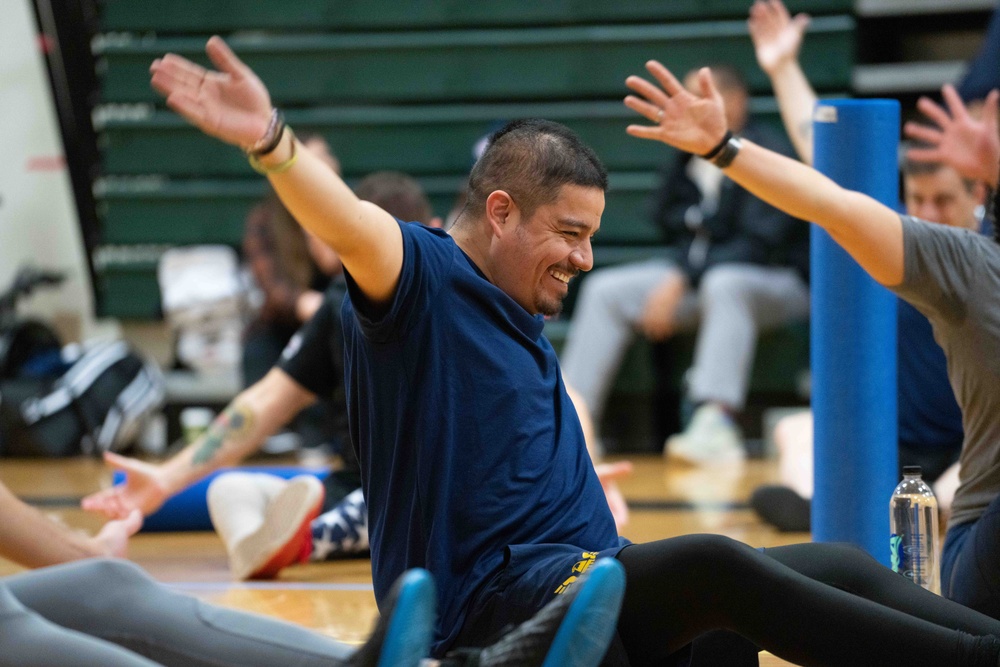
point(402, 637)
point(574, 630)
point(782, 508)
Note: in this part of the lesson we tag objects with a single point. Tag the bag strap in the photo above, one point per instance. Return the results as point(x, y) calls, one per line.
point(74, 382)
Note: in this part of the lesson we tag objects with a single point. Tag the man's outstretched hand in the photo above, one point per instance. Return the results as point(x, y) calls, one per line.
point(971, 146)
point(693, 123)
point(230, 104)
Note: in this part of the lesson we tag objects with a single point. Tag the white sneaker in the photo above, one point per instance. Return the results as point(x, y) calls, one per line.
point(264, 521)
point(710, 438)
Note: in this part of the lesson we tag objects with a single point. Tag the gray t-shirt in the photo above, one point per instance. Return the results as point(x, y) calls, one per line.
point(952, 276)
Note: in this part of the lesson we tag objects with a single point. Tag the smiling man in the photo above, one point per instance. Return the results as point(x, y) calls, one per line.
point(456, 395)
point(470, 447)
point(473, 460)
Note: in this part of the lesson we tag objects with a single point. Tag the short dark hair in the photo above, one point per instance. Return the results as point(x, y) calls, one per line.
point(398, 194)
point(531, 160)
point(728, 77)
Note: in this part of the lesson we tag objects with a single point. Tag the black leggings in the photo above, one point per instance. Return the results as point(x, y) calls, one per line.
point(812, 604)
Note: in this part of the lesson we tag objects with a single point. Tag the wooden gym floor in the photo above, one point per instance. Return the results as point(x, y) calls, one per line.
point(336, 598)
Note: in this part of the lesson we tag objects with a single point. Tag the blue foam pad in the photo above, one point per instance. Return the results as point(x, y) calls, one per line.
point(188, 509)
point(853, 333)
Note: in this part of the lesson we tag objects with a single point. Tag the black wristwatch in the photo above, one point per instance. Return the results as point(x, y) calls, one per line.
point(725, 152)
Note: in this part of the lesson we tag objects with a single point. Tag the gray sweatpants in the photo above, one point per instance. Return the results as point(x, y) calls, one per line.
point(733, 304)
point(111, 613)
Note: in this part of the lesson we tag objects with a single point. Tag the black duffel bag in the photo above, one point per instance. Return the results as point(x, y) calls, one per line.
point(101, 403)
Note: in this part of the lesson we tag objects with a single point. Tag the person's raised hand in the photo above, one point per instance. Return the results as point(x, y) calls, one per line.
point(142, 490)
point(776, 36)
point(230, 104)
point(971, 146)
point(693, 123)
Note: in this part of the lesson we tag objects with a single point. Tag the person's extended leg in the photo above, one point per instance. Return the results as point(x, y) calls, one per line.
point(679, 588)
point(738, 301)
point(29, 640)
point(341, 531)
point(610, 304)
point(851, 569)
point(118, 602)
point(264, 520)
point(969, 572)
point(787, 506)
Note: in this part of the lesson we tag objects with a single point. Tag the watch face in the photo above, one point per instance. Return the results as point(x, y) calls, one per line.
point(728, 153)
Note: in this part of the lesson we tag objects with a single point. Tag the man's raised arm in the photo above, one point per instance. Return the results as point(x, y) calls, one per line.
point(867, 230)
point(233, 105)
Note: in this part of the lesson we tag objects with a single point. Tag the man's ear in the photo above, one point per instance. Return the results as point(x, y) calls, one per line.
point(980, 192)
point(500, 207)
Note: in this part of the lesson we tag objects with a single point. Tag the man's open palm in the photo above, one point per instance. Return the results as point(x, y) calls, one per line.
point(230, 104)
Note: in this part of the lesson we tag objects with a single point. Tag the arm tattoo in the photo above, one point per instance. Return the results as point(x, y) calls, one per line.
point(235, 423)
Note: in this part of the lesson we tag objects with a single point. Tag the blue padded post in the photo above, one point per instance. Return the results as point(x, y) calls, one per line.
point(853, 338)
point(188, 509)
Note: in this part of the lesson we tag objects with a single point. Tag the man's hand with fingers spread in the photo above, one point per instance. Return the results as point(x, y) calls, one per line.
point(693, 123)
point(230, 104)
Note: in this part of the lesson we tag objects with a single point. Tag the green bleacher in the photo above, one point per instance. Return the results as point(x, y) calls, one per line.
point(473, 65)
point(207, 211)
point(409, 86)
point(416, 139)
point(198, 16)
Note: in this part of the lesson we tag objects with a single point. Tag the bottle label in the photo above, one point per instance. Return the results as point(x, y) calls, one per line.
point(895, 552)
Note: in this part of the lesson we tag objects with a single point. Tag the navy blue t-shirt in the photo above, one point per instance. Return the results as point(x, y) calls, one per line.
point(929, 416)
point(467, 439)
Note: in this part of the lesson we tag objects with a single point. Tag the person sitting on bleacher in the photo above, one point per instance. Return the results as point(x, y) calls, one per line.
point(734, 266)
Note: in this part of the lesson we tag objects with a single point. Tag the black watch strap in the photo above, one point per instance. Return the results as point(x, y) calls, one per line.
point(727, 153)
point(710, 155)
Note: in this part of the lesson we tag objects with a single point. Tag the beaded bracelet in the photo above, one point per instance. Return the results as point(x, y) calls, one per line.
point(281, 167)
point(271, 137)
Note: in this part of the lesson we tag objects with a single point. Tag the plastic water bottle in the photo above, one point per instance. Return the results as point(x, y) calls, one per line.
point(913, 521)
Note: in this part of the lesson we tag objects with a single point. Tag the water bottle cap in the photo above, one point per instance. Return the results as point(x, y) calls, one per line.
point(912, 470)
